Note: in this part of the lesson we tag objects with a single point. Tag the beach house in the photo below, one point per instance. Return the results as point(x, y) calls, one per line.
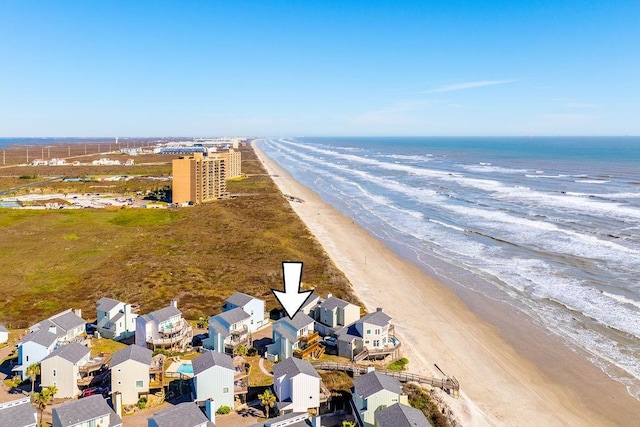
point(130, 373)
point(61, 368)
point(186, 414)
point(370, 337)
point(310, 304)
point(4, 335)
point(164, 328)
point(228, 330)
point(116, 319)
point(399, 415)
point(297, 386)
point(253, 306)
point(372, 392)
point(293, 336)
point(68, 326)
point(91, 411)
point(18, 413)
point(333, 314)
point(213, 378)
point(33, 348)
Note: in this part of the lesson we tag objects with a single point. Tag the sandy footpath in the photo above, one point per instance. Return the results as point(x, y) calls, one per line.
point(498, 385)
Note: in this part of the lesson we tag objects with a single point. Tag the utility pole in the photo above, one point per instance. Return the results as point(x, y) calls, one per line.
point(27, 155)
point(85, 148)
point(69, 151)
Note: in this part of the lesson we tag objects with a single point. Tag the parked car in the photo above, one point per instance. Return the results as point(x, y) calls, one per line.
point(330, 341)
point(91, 391)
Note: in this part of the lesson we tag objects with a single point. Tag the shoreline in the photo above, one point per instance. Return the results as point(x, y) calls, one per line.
point(501, 383)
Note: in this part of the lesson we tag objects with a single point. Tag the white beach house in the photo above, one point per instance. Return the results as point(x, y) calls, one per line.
point(68, 326)
point(253, 306)
point(291, 335)
point(116, 319)
point(370, 337)
point(91, 411)
point(228, 330)
point(4, 335)
point(213, 378)
point(130, 373)
point(61, 368)
point(164, 328)
point(372, 392)
point(296, 385)
point(333, 314)
point(33, 348)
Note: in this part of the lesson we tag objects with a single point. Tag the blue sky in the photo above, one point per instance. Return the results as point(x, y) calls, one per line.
point(204, 68)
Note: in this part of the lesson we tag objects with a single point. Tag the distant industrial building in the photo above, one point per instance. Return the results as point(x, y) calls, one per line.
point(200, 178)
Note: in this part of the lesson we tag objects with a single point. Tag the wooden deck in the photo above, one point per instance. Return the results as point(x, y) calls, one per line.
point(450, 384)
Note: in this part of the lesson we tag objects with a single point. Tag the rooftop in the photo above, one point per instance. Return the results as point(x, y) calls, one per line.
point(398, 415)
point(374, 382)
point(294, 366)
point(132, 352)
point(17, 413)
point(209, 359)
point(240, 299)
point(185, 414)
point(73, 352)
point(83, 410)
point(107, 304)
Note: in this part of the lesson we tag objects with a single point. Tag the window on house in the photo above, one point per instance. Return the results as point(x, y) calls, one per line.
point(225, 389)
point(376, 343)
point(27, 357)
point(54, 372)
point(377, 331)
point(368, 331)
point(139, 384)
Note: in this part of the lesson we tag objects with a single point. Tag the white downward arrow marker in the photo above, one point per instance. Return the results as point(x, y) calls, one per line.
point(291, 299)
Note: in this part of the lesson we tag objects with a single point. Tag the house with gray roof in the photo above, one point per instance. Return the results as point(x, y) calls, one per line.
point(290, 335)
point(399, 415)
point(297, 386)
point(372, 392)
point(228, 330)
point(130, 373)
point(4, 335)
point(333, 314)
point(294, 419)
point(18, 413)
point(253, 306)
point(310, 303)
point(164, 328)
point(214, 377)
point(370, 337)
point(61, 368)
point(68, 326)
point(33, 348)
point(88, 412)
point(116, 319)
point(186, 414)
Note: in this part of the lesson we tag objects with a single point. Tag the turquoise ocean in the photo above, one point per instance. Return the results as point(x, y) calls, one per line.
point(549, 227)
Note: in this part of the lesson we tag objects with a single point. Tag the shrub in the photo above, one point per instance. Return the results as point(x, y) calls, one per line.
point(224, 409)
point(252, 351)
point(142, 403)
point(399, 365)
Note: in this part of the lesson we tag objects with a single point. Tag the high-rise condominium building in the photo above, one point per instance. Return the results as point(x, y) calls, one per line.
point(200, 178)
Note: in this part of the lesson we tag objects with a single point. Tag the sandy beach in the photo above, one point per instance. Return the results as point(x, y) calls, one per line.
point(504, 380)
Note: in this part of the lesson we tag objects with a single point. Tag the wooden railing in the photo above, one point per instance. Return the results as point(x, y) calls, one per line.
point(450, 383)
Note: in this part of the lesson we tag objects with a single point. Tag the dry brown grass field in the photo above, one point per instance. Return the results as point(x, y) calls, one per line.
point(53, 260)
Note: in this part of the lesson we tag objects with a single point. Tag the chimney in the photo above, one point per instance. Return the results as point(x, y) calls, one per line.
point(404, 399)
point(378, 308)
point(329, 295)
point(53, 330)
point(210, 411)
point(370, 369)
point(174, 303)
point(315, 421)
point(78, 312)
point(117, 403)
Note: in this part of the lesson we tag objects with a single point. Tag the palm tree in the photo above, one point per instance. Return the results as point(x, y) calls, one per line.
point(43, 399)
point(268, 400)
point(32, 372)
point(346, 423)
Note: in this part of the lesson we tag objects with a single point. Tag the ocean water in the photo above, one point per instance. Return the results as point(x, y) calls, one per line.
point(551, 226)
